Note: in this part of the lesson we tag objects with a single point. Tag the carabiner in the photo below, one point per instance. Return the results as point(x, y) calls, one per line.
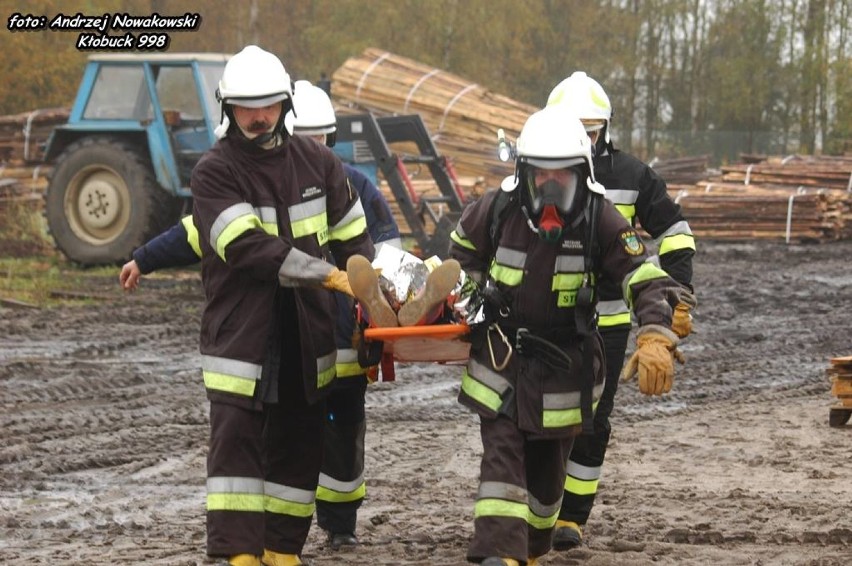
point(505, 362)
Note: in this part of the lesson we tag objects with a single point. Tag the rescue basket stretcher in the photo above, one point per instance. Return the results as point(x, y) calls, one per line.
point(439, 343)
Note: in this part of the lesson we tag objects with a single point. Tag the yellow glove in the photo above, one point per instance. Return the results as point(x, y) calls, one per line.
point(681, 317)
point(337, 280)
point(653, 360)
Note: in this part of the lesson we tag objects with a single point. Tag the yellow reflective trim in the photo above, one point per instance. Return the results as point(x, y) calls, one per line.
point(566, 282)
point(627, 210)
point(331, 496)
point(557, 418)
point(281, 507)
point(481, 393)
point(646, 272)
point(507, 275)
point(542, 523)
point(581, 487)
point(500, 508)
point(677, 242)
point(270, 228)
point(350, 231)
point(614, 319)
point(325, 377)
point(235, 502)
point(463, 242)
point(229, 383)
point(191, 234)
point(234, 230)
point(348, 369)
point(311, 225)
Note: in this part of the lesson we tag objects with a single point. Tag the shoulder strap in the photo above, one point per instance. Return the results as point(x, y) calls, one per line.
point(592, 248)
point(499, 208)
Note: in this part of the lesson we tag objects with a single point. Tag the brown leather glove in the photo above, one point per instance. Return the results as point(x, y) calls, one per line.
point(681, 316)
point(653, 360)
point(337, 280)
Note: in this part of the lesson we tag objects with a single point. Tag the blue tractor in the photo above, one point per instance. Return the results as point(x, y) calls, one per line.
point(122, 163)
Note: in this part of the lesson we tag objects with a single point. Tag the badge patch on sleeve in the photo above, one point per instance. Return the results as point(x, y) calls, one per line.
point(632, 243)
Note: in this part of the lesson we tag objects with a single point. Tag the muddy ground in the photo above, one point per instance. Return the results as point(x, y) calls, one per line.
point(103, 432)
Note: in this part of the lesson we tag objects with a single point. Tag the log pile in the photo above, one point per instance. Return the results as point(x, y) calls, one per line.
point(463, 117)
point(23, 176)
point(23, 186)
point(23, 136)
point(682, 170)
point(801, 199)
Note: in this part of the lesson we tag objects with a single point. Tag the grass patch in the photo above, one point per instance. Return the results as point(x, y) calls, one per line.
point(31, 269)
point(52, 281)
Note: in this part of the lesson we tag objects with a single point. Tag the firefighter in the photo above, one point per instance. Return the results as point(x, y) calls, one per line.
point(341, 487)
point(638, 193)
point(269, 208)
point(538, 246)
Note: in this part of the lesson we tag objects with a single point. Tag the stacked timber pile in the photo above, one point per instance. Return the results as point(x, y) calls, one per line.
point(682, 170)
point(840, 375)
point(462, 117)
point(22, 136)
point(23, 176)
point(801, 199)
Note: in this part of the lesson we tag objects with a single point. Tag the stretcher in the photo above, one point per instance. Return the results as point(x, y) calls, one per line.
point(440, 343)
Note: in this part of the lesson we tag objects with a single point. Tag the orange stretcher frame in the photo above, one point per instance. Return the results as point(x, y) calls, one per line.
point(428, 343)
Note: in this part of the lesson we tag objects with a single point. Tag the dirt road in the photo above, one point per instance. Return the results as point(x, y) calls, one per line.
point(103, 431)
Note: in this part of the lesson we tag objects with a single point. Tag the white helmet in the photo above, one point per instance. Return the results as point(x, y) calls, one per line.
point(314, 112)
point(253, 78)
point(554, 138)
point(587, 98)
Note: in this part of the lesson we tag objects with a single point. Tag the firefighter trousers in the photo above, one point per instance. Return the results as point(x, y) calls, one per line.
point(587, 456)
point(341, 482)
point(262, 470)
point(520, 487)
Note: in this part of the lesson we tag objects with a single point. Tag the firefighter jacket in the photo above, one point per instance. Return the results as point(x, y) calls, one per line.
point(179, 247)
point(540, 282)
point(639, 193)
point(267, 218)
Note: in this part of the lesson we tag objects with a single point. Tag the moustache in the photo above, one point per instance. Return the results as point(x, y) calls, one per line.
point(259, 127)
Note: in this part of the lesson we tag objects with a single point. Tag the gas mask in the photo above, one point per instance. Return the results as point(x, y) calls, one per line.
point(551, 200)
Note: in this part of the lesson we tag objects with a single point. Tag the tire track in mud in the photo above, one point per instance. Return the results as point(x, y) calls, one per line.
point(104, 431)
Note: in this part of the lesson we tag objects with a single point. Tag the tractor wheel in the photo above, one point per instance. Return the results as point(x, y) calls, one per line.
point(103, 202)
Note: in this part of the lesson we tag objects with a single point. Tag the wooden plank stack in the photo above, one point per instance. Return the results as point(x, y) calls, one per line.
point(22, 136)
point(682, 170)
point(840, 375)
point(23, 176)
point(462, 117)
point(801, 199)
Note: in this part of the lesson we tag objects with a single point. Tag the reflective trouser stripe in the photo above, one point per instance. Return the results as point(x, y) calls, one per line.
point(235, 494)
point(582, 480)
point(333, 491)
point(500, 508)
point(291, 501)
point(581, 487)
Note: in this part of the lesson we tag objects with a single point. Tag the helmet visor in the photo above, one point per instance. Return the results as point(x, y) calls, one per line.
point(261, 102)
